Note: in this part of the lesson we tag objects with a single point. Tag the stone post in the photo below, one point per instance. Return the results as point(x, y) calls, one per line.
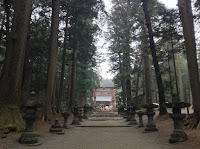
point(30, 137)
point(140, 114)
point(128, 118)
point(132, 116)
point(125, 112)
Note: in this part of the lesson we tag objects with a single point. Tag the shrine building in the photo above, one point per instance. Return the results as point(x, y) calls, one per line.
point(105, 94)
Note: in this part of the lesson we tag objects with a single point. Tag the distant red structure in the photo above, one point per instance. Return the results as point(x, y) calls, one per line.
point(104, 96)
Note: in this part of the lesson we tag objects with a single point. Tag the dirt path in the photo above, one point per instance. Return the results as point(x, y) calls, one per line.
point(101, 138)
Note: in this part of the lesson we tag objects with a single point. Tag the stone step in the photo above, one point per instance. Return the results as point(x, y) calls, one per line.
point(103, 126)
point(105, 112)
point(105, 115)
point(108, 123)
point(104, 118)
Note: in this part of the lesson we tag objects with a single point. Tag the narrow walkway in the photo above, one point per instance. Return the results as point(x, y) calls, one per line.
point(101, 131)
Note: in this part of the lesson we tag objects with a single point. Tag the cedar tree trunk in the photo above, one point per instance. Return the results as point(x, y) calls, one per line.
point(190, 44)
point(53, 54)
point(163, 110)
point(11, 79)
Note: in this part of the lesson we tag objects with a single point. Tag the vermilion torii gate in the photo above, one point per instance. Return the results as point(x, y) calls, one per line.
point(109, 91)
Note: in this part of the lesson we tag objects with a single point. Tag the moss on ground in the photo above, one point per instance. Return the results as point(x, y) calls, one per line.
point(10, 118)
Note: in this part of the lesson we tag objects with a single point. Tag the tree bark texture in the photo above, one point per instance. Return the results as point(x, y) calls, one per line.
point(180, 81)
point(190, 44)
point(60, 94)
point(11, 79)
point(53, 55)
point(163, 110)
point(122, 79)
point(175, 70)
point(146, 64)
point(73, 74)
point(128, 76)
point(138, 82)
point(7, 10)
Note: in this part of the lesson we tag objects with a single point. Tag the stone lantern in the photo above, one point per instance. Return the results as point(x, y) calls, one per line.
point(86, 111)
point(76, 114)
point(178, 134)
point(121, 110)
point(56, 128)
point(132, 116)
point(65, 114)
point(150, 113)
point(128, 118)
point(81, 112)
point(140, 114)
point(30, 137)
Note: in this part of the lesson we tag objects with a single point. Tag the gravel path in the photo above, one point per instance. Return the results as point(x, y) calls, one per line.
point(99, 138)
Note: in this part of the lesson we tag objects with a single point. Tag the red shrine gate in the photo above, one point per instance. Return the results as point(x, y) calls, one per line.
point(104, 96)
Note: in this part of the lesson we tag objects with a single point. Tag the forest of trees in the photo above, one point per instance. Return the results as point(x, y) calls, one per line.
point(158, 43)
point(49, 47)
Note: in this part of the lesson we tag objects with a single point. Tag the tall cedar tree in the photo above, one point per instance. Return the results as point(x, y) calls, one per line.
point(146, 65)
point(11, 79)
point(53, 55)
point(60, 94)
point(190, 44)
point(163, 110)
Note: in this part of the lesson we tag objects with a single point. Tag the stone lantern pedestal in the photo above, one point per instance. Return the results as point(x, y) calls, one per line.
point(140, 114)
point(65, 115)
point(178, 134)
point(76, 115)
point(86, 111)
point(128, 118)
point(132, 116)
point(150, 113)
point(56, 128)
point(121, 110)
point(125, 113)
point(81, 111)
point(30, 137)
point(91, 110)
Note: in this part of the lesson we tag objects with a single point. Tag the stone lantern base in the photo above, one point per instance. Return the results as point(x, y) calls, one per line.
point(132, 116)
point(56, 128)
point(140, 114)
point(178, 134)
point(29, 138)
point(150, 127)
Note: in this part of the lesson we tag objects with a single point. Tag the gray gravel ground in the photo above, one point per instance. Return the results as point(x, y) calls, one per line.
point(99, 138)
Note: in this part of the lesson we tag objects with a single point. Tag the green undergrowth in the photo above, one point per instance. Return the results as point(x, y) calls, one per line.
point(11, 119)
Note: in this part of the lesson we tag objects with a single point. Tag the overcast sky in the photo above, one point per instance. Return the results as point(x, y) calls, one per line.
point(102, 46)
